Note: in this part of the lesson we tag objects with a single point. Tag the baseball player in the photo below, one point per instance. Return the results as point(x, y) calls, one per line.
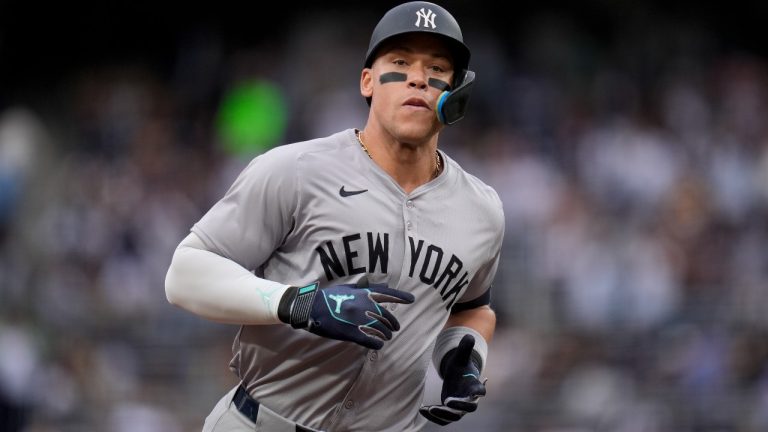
point(352, 261)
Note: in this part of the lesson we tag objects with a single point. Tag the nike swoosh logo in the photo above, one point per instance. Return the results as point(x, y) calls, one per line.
point(345, 193)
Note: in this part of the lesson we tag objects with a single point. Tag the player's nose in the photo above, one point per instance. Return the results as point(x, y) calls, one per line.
point(417, 78)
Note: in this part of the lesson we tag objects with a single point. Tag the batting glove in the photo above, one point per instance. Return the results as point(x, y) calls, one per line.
point(462, 387)
point(344, 312)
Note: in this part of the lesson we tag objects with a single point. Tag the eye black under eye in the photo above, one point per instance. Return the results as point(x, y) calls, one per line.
point(439, 84)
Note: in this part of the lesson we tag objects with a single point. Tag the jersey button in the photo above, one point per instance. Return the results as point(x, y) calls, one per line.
point(408, 225)
point(373, 355)
point(409, 204)
point(349, 404)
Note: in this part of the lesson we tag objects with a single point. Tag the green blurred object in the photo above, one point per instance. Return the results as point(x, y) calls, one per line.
point(252, 118)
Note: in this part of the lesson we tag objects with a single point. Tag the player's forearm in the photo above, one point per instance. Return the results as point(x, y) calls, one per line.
point(219, 289)
point(481, 319)
point(479, 322)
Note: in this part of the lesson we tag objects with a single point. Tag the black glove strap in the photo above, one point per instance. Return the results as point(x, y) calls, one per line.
point(286, 301)
point(296, 305)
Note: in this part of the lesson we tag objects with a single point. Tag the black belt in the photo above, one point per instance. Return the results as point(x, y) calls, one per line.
point(249, 407)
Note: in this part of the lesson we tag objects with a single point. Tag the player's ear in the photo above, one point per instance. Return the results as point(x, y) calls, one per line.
point(366, 83)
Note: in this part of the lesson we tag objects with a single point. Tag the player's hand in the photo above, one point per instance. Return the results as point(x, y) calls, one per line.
point(462, 387)
point(351, 313)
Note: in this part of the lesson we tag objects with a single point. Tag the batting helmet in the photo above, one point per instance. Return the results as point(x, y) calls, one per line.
point(426, 17)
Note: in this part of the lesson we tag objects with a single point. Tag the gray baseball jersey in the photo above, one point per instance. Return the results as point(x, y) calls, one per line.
point(323, 210)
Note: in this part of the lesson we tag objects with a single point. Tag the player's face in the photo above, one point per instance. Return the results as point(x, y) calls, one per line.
point(405, 81)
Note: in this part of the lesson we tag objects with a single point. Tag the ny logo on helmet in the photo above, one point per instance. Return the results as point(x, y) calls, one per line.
point(429, 18)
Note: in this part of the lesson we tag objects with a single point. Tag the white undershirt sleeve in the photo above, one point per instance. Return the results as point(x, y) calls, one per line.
point(219, 289)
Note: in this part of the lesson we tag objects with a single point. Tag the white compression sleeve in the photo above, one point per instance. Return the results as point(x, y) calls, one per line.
point(219, 289)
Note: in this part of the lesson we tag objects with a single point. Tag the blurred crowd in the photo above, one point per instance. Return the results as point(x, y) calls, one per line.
point(634, 276)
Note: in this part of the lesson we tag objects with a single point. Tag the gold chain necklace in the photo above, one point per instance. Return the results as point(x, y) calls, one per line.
point(365, 149)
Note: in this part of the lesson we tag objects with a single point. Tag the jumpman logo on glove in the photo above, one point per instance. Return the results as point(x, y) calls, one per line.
point(363, 319)
point(339, 299)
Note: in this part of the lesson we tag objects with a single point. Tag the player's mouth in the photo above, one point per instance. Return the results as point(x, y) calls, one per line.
point(415, 102)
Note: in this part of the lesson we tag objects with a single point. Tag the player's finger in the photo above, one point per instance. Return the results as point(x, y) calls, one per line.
point(370, 338)
point(388, 324)
point(378, 324)
point(464, 350)
point(426, 411)
point(370, 330)
point(446, 413)
point(384, 294)
point(462, 404)
point(479, 389)
point(387, 317)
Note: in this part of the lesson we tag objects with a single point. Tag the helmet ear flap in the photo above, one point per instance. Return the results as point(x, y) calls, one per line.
point(451, 105)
